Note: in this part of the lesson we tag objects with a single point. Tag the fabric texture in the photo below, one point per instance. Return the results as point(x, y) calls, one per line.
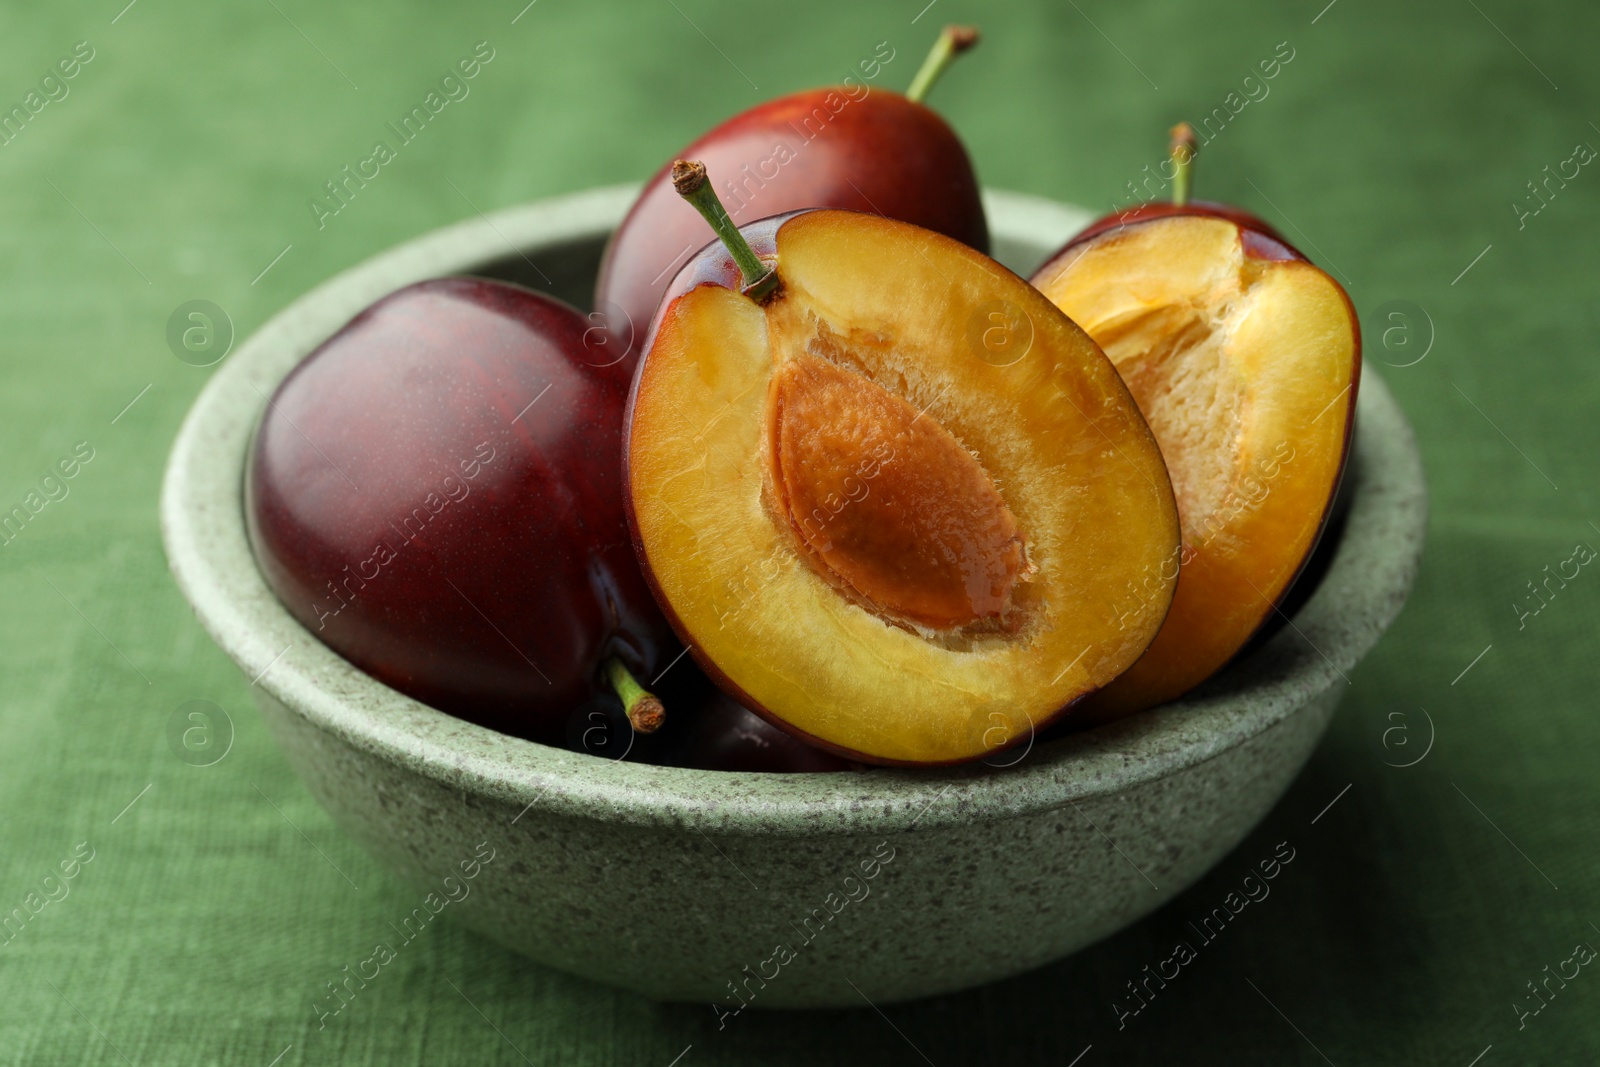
point(1433, 156)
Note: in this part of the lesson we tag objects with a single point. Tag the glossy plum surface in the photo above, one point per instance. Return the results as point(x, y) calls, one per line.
point(730, 737)
point(436, 493)
point(714, 732)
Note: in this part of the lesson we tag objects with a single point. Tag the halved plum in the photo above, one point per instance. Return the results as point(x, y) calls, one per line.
point(1245, 359)
point(888, 504)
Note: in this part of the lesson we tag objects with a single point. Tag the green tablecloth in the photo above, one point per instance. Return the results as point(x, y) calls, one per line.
point(178, 162)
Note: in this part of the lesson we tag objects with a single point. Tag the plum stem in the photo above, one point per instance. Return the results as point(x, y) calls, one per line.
point(644, 709)
point(689, 179)
point(953, 40)
point(1184, 149)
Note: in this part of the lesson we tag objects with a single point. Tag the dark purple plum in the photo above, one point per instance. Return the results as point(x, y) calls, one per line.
point(435, 492)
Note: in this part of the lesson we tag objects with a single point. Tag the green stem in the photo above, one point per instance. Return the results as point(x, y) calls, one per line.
point(644, 709)
point(690, 180)
point(1184, 148)
point(951, 43)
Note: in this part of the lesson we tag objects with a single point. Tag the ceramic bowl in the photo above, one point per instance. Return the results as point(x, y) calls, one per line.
point(770, 890)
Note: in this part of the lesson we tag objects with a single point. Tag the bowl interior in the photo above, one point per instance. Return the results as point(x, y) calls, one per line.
point(555, 245)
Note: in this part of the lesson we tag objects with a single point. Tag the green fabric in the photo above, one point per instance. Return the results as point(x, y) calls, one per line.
point(1392, 146)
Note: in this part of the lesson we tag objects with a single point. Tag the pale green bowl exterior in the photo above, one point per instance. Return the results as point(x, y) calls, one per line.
point(680, 883)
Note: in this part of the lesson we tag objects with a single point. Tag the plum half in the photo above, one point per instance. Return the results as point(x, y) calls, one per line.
point(1245, 359)
point(888, 495)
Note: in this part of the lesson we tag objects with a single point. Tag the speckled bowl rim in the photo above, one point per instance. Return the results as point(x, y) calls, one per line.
point(207, 549)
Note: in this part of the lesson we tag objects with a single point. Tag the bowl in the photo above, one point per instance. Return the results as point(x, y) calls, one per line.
point(801, 890)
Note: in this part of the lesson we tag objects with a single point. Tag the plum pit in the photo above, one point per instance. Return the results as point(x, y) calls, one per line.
point(887, 502)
